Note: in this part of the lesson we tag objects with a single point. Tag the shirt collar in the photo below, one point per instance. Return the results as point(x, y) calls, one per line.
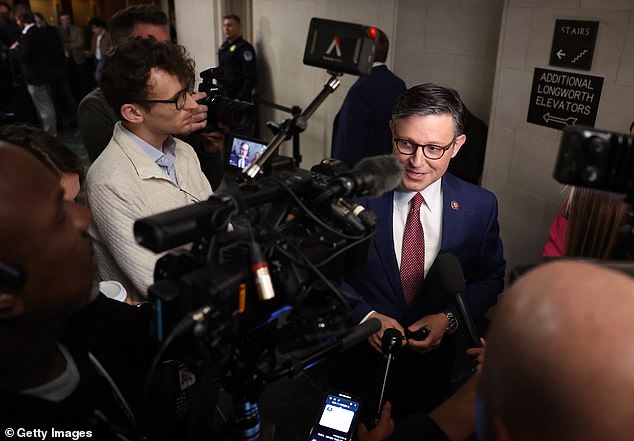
point(27, 27)
point(431, 194)
point(377, 64)
point(169, 146)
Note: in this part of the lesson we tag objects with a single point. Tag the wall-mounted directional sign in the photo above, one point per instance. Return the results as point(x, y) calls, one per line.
point(560, 99)
point(573, 43)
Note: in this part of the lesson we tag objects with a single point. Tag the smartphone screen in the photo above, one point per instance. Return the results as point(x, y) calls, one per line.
point(338, 418)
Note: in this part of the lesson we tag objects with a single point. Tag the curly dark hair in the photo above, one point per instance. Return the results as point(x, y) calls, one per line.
point(127, 70)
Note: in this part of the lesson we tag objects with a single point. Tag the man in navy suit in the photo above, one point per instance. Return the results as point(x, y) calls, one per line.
point(456, 217)
point(361, 126)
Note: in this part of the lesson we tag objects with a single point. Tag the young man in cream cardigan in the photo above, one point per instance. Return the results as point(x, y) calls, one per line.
point(143, 170)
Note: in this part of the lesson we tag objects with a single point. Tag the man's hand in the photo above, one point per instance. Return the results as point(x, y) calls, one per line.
point(386, 322)
point(478, 355)
point(198, 118)
point(437, 325)
point(383, 428)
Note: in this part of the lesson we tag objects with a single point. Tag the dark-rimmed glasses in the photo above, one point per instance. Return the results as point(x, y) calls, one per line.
point(179, 99)
point(431, 151)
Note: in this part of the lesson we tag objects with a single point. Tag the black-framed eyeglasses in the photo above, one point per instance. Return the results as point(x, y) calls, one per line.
point(179, 99)
point(431, 151)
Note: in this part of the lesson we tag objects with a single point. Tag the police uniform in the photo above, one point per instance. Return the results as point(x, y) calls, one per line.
point(237, 60)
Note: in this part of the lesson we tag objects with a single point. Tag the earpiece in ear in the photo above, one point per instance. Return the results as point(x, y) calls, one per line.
point(11, 278)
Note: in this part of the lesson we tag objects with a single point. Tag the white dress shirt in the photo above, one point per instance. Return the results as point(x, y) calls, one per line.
point(431, 218)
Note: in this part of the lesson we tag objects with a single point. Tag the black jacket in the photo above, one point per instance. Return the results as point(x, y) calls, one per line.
point(41, 55)
point(237, 60)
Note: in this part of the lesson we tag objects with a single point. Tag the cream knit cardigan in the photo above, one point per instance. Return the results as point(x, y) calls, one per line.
point(123, 185)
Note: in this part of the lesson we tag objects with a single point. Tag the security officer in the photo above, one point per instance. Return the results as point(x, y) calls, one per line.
point(236, 57)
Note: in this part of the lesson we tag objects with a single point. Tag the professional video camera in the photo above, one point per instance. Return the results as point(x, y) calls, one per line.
point(257, 296)
point(600, 160)
point(596, 159)
point(237, 115)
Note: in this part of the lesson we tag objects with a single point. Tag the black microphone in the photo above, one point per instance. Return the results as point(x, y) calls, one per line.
point(371, 177)
point(360, 333)
point(290, 368)
point(392, 340)
point(452, 282)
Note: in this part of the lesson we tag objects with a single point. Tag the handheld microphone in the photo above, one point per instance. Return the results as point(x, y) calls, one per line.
point(371, 177)
point(452, 282)
point(390, 342)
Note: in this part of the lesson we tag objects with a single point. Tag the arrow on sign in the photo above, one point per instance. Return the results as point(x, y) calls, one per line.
point(570, 121)
point(560, 54)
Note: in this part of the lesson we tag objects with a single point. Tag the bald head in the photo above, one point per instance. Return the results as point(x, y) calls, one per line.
point(560, 359)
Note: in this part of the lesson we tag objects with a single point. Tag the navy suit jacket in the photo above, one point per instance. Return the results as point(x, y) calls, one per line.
point(470, 231)
point(361, 126)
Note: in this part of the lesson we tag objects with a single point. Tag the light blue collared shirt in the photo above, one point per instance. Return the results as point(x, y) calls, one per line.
point(165, 159)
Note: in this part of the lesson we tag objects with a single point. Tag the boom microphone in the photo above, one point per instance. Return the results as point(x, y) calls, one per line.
point(452, 282)
point(360, 333)
point(371, 177)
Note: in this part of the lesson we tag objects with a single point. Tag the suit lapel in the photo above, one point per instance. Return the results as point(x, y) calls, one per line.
point(453, 207)
point(384, 242)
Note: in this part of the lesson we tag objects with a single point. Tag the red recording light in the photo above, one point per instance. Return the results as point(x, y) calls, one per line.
point(371, 32)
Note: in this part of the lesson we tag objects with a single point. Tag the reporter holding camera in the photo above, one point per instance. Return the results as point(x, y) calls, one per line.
point(144, 170)
point(95, 116)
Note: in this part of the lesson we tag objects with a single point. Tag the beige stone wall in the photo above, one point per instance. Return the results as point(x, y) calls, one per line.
point(521, 156)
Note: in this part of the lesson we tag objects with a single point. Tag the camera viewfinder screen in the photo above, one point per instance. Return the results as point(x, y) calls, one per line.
point(245, 151)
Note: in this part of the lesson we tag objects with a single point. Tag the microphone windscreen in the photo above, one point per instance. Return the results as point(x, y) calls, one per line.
point(386, 170)
point(450, 273)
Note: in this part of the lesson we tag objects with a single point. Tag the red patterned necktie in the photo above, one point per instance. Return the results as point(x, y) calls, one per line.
point(413, 253)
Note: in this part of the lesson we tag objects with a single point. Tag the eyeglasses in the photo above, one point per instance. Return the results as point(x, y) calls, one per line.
point(431, 151)
point(179, 99)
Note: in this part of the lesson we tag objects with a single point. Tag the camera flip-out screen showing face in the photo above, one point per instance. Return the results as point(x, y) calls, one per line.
point(245, 151)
